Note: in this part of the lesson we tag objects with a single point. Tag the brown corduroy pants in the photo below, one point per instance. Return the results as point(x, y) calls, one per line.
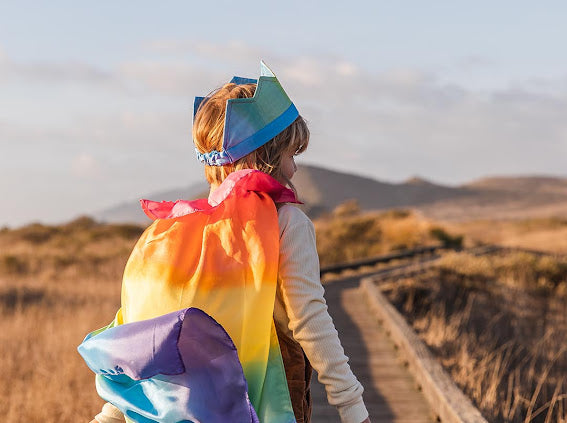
point(298, 372)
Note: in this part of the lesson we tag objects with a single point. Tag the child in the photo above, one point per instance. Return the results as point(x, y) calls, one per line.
point(247, 134)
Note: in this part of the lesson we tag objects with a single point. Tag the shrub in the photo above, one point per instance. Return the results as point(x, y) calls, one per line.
point(80, 223)
point(521, 270)
point(13, 265)
point(343, 239)
point(22, 297)
point(448, 240)
point(396, 213)
point(347, 234)
point(124, 231)
point(36, 233)
point(347, 209)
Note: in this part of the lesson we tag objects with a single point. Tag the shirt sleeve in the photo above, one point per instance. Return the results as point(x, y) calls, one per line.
point(309, 320)
point(109, 414)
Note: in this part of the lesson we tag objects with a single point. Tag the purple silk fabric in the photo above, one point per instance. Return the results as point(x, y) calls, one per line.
point(179, 367)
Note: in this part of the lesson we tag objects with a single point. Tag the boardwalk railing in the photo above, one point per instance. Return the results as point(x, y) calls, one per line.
point(447, 401)
point(386, 258)
point(423, 251)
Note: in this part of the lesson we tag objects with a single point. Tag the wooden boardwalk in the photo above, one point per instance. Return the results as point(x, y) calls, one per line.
point(390, 392)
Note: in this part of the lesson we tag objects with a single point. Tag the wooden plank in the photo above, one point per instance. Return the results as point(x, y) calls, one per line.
point(446, 399)
point(391, 393)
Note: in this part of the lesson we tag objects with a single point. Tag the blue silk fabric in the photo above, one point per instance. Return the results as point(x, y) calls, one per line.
point(178, 367)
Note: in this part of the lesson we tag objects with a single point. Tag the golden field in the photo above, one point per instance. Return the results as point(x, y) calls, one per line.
point(498, 324)
point(57, 283)
point(543, 233)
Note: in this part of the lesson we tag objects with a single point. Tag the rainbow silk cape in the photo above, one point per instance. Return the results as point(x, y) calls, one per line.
point(205, 273)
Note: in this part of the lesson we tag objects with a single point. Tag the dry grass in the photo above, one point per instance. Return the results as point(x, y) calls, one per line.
point(498, 325)
point(347, 234)
point(538, 274)
point(56, 285)
point(45, 379)
point(546, 234)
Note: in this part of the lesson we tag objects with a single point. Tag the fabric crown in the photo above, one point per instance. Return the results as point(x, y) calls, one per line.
point(251, 122)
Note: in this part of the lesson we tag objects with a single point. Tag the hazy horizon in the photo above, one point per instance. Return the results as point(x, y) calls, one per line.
point(97, 99)
point(157, 195)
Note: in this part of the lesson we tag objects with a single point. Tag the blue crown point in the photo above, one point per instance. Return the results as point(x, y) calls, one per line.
point(251, 122)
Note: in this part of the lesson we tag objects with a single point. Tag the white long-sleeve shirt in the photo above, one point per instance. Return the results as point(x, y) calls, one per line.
point(300, 311)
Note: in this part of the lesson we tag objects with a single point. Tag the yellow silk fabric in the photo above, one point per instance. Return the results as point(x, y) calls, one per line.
point(223, 260)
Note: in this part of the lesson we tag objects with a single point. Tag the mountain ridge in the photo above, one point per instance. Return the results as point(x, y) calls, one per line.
point(323, 189)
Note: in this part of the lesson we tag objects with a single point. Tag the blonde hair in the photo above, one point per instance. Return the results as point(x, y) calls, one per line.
point(208, 132)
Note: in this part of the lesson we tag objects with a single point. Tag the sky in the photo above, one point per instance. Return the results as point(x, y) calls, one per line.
point(96, 97)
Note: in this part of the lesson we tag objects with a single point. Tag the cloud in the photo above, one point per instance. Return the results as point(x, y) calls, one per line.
point(346, 69)
point(179, 79)
point(474, 61)
point(29, 134)
point(85, 165)
point(232, 51)
point(45, 73)
point(404, 119)
point(53, 72)
point(303, 71)
point(150, 131)
point(388, 124)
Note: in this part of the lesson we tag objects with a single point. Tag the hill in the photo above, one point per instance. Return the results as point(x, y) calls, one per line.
point(505, 197)
point(322, 190)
